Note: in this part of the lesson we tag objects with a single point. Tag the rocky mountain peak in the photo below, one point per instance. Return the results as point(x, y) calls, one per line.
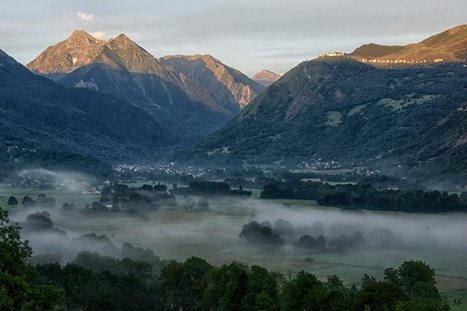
point(122, 39)
point(266, 77)
point(78, 50)
point(80, 34)
point(123, 51)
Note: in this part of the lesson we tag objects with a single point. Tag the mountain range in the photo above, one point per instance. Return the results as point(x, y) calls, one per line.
point(340, 108)
point(179, 101)
point(86, 101)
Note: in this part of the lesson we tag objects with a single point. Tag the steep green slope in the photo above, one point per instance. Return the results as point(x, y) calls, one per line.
point(444, 147)
point(336, 108)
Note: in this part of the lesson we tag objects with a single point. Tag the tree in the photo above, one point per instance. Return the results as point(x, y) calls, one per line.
point(338, 297)
point(160, 188)
point(304, 292)
point(392, 275)
point(184, 283)
point(146, 187)
point(418, 279)
point(14, 251)
point(367, 280)
point(27, 202)
point(262, 290)
point(422, 304)
point(12, 201)
point(227, 286)
point(20, 288)
point(380, 296)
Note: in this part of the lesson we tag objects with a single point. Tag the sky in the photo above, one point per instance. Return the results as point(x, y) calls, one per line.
point(248, 35)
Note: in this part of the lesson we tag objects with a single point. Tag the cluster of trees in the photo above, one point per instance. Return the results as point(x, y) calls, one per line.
point(273, 236)
point(321, 243)
point(190, 203)
point(38, 221)
point(41, 200)
point(100, 283)
point(365, 196)
point(256, 233)
point(118, 197)
point(212, 188)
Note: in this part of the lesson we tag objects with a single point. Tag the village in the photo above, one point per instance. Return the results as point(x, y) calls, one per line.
point(382, 61)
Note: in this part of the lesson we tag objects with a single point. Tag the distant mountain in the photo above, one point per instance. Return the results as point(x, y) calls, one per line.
point(232, 89)
point(266, 77)
point(122, 68)
point(44, 122)
point(339, 109)
point(448, 46)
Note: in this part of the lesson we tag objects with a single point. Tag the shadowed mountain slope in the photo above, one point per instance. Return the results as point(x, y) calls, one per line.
point(38, 116)
point(229, 86)
point(337, 108)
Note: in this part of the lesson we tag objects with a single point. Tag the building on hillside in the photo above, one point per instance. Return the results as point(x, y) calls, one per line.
point(333, 54)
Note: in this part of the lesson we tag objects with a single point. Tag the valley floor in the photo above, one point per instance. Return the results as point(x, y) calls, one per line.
point(178, 234)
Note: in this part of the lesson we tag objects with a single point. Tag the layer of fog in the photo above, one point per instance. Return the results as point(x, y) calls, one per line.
point(69, 181)
point(178, 234)
point(432, 231)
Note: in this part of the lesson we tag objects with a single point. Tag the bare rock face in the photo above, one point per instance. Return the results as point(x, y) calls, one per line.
point(266, 77)
point(82, 49)
point(229, 86)
point(77, 50)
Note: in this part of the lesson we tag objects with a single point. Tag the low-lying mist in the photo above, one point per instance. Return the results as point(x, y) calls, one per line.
point(176, 233)
point(439, 231)
point(69, 181)
point(167, 230)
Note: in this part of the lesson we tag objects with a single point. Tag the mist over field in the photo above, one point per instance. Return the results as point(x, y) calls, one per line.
point(389, 238)
point(68, 181)
point(71, 218)
point(413, 230)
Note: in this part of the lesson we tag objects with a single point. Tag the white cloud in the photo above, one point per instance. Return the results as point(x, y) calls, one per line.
point(85, 16)
point(99, 35)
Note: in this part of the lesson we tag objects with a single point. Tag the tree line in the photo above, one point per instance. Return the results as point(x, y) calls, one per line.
point(365, 196)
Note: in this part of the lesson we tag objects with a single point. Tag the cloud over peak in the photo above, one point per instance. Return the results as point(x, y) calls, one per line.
point(85, 16)
point(99, 35)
